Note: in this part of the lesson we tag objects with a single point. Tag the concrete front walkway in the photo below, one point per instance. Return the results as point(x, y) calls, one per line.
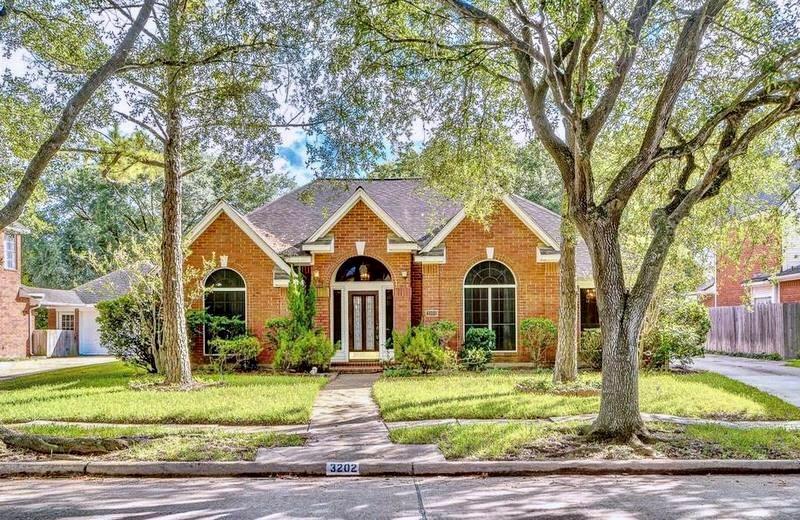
point(346, 427)
point(773, 377)
point(24, 367)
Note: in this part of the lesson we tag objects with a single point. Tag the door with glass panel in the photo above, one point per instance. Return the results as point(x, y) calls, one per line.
point(364, 327)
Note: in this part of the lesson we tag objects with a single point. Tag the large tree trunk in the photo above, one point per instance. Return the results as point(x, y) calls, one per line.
point(175, 349)
point(620, 321)
point(566, 366)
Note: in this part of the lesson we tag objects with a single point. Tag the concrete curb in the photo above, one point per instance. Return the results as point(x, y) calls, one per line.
point(399, 468)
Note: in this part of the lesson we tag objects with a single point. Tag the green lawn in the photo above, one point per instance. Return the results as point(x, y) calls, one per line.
point(101, 393)
point(794, 363)
point(172, 444)
point(551, 441)
point(492, 395)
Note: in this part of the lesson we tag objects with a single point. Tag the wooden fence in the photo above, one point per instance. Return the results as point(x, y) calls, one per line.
point(54, 343)
point(772, 328)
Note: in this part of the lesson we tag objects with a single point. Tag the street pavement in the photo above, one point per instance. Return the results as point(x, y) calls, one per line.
point(562, 497)
point(773, 377)
point(24, 367)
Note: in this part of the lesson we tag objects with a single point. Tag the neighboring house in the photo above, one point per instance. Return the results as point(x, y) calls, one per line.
point(15, 320)
point(385, 255)
point(766, 270)
point(72, 328)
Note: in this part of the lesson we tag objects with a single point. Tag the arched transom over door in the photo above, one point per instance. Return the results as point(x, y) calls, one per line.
point(362, 308)
point(490, 301)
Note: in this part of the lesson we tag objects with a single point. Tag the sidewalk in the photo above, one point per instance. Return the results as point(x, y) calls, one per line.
point(346, 427)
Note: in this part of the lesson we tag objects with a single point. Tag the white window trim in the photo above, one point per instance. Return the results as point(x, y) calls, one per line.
point(465, 286)
point(10, 238)
point(59, 319)
point(224, 289)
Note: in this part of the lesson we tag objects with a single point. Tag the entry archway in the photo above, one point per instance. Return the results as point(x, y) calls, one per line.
point(362, 309)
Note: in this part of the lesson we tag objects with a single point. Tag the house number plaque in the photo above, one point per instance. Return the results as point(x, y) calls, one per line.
point(337, 469)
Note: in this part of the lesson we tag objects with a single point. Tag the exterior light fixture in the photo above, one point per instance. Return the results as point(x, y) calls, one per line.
point(363, 273)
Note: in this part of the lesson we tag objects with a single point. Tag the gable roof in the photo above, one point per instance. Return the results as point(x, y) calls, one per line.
point(360, 195)
point(107, 287)
point(409, 208)
point(263, 238)
point(416, 209)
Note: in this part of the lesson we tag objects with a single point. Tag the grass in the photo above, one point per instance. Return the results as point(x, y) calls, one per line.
point(172, 444)
point(794, 363)
point(492, 395)
point(101, 393)
point(550, 441)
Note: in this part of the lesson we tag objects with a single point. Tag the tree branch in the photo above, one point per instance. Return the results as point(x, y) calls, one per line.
point(13, 208)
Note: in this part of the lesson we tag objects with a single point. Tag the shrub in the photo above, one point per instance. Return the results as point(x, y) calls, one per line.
point(538, 334)
point(475, 359)
point(223, 327)
point(128, 332)
point(670, 343)
point(273, 329)
point(241, 353)
point(694, 315)
point(302, 353)
point(444, 331)
point(300, 346)
point(590, 349)
point(419, 349)
point(478, 346)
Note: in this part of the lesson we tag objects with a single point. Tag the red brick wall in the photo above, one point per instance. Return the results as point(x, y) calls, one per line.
point(790, 291)
point(753, 259)
point(514, 245)
point(13, 310)
point(435, 287)
point(223, 237)
point(416, 293)
point(361, 224)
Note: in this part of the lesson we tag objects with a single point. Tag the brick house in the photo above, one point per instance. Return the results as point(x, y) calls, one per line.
point(385, 255)
point(15, 322)
point(766, 269)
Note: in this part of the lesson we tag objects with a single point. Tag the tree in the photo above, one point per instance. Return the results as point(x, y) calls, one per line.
point(580, 72)
point(60, 133)
point(206, 85)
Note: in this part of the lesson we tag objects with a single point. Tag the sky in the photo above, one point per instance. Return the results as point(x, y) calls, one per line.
point(291, 155)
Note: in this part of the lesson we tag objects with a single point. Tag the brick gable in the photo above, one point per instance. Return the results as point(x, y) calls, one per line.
point(224, 237)
point(362, 224)
point(514, 245)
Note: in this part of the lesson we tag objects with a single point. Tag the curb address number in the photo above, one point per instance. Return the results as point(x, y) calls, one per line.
point(341, 468)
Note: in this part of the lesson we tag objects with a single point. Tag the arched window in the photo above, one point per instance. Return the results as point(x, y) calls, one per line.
point(225, 303)
point(363, 269)
point(490, 293)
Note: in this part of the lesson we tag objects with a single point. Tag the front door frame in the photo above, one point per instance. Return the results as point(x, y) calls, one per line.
point(343, 354)
point(363, 353)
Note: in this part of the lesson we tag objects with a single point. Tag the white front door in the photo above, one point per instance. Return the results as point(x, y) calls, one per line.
point(89, 334)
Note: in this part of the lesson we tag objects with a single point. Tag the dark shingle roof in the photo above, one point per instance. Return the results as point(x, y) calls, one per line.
point(290, 220)
point(108, 287)
point(112, 285)
point(763, 277)
point(550, 223)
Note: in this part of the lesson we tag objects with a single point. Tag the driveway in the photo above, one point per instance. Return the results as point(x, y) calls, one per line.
point(773, 377)
point(12, 369)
